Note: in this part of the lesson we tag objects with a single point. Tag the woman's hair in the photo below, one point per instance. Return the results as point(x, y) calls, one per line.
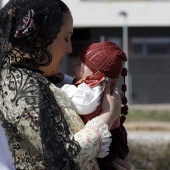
point(27, 27)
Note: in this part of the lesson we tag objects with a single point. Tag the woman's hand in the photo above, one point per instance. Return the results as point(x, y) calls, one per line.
point(121, 164)
point(111, 105)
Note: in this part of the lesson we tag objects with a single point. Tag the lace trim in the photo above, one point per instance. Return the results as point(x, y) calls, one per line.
point(101, 129)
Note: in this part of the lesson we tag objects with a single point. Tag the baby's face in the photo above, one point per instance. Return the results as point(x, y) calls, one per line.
point(81, 70)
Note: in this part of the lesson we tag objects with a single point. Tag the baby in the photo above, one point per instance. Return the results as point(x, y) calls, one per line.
point(97, 64)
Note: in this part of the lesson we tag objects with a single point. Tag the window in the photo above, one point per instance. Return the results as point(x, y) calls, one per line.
point(158, 48)
point(150, 47)
point(117, 41)
point(137, 49)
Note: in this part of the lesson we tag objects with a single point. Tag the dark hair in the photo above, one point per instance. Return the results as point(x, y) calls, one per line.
point(31, 25)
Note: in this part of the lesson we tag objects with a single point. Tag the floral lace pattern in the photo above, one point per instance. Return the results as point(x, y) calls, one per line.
point(87, 138)
point(93, 138)
point(32, 111)
point(28, 108)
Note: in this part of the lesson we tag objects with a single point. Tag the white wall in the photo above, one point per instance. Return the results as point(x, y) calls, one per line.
point(98, 13)
point(140, 13)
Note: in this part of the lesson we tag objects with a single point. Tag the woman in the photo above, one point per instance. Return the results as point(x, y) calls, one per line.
point(43, 130)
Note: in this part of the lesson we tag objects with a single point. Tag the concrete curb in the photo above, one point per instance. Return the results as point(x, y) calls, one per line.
point(150, 107)
point(147, 126)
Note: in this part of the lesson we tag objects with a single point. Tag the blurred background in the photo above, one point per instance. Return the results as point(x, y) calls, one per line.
point(147, 45)
point(142, 29)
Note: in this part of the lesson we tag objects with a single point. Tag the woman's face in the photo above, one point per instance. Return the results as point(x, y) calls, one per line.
point(60, 46)
point(81, 70)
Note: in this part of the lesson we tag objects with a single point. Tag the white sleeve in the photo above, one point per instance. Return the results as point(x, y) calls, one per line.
point(70, 90)
point(67, 79)
point(6, 162)
point(83, 98)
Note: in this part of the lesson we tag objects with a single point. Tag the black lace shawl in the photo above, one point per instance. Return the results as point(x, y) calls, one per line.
point(29, 109)
point(33, 110)
point(30, 26)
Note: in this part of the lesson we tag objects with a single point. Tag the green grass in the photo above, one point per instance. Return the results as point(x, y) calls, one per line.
point(139, 115)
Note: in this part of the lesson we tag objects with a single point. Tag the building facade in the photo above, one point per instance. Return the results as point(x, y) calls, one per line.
point(148, 25)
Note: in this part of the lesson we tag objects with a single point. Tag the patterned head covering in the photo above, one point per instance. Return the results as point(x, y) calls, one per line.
point(27, 27)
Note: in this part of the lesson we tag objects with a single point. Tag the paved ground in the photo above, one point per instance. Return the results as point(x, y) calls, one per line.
point(147, 126)
point(141, 129)
point(149, 141)
point(148, 131)
point(150, 137)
